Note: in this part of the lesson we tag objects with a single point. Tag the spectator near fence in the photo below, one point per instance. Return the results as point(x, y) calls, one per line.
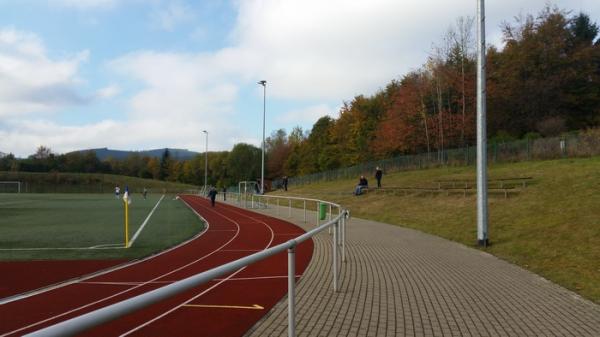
point(378, 175)
point(362, 184)
point(285, 183)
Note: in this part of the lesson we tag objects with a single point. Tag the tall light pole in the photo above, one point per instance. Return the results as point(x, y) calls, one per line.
point(262, 168)
point(482, 214)
point(206, 162)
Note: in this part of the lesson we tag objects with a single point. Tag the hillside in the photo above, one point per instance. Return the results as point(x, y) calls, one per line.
point(550, 227)
point(105, 153)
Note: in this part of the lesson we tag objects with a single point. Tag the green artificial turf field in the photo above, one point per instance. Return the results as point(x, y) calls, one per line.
point(89, 226)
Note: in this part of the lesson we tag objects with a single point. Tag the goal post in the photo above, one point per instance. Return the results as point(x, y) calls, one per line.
point(10, 187)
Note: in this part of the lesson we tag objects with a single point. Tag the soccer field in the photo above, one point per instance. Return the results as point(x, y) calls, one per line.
point(90, 226)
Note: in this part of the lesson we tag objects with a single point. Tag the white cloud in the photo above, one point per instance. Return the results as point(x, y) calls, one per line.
point(308, 115)
point(32, 82)
point(173, 13)
point(108, 92)
point(181, 94)
point(23, 136)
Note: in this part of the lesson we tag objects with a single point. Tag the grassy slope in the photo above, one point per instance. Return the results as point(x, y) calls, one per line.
point(83, 220)
point(551, 228)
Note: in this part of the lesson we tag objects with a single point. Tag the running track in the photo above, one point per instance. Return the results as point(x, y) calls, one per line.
point(231, 234)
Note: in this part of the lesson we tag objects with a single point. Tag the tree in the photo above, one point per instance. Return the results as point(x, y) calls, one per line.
point(244, 162)
point(165, 163)
point(42, 152)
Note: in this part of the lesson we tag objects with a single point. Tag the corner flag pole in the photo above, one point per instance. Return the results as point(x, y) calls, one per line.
point(127, 201)
point(126, 224)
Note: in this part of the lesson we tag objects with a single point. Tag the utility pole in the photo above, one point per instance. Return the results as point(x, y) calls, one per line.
point(206, 162)
point(482, 214)
point(262, 168)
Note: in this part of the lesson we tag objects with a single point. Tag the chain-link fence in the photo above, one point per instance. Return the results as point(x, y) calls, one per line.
point(586, 144)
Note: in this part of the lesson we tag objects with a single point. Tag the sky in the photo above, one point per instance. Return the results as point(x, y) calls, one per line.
point(146, 74)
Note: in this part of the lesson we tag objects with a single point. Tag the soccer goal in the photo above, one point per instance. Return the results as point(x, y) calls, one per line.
point(246, 189)
point(10, 187)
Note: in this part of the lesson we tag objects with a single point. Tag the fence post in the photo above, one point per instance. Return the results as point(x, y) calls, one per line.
point(335, 253)
point(304, 211)
point(343, 220)
point(318, 213)
point(292, 291)
point(289, 208)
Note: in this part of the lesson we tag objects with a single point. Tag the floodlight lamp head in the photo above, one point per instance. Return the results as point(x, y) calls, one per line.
point(263, 83)
point(205, 131)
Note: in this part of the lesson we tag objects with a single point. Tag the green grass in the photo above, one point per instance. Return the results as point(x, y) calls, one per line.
point(85, 220)
point(551, 227)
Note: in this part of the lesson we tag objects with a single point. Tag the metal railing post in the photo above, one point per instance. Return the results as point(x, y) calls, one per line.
point(292, 291)
point(329, 229)
point(317, 224)
point(343, 220)
point(304, 211)
point(335, 253)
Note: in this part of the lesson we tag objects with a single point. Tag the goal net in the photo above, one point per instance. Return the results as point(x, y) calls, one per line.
point(10, 187)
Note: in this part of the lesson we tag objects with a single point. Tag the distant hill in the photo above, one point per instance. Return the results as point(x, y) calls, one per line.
point(105, 153)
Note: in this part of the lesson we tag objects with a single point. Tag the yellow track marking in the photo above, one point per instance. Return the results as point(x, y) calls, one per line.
point(254, 307)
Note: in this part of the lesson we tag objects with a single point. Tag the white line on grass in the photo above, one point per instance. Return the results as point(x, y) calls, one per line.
point(145, 222)
point(102, 246)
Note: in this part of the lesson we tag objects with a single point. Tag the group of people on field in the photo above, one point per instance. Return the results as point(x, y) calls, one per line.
point(118, 192)
point(363, 183)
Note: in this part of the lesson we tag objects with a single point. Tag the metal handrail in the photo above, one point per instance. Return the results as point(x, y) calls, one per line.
point(89, 320)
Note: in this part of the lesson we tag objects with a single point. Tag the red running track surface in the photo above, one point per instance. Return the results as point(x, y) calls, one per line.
point(225, 307)
point(21, 276)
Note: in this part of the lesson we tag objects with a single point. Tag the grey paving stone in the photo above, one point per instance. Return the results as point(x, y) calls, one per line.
point(401, 282)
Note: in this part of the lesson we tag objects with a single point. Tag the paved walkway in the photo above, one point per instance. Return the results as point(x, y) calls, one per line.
point(401, 282)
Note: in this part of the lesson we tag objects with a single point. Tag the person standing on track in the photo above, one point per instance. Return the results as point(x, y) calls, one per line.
point(117, 192)
point(213, 195)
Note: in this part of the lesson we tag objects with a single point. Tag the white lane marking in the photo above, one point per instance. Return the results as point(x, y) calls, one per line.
point(102, 246)
point(221, 306)
point(212, 287)
point(126, 290)
point(105, 271)
point(145, 222)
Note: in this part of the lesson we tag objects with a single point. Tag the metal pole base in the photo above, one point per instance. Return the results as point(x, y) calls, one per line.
point(483, 243)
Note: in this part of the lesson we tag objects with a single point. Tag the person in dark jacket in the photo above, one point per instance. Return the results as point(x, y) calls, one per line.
point(213, 195)
point(285, 182)
point(378, 175)
point(362, 184)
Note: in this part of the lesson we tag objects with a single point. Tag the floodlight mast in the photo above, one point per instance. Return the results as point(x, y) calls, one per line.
point(262, 167)
point(205, 161)
point(482, 214)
